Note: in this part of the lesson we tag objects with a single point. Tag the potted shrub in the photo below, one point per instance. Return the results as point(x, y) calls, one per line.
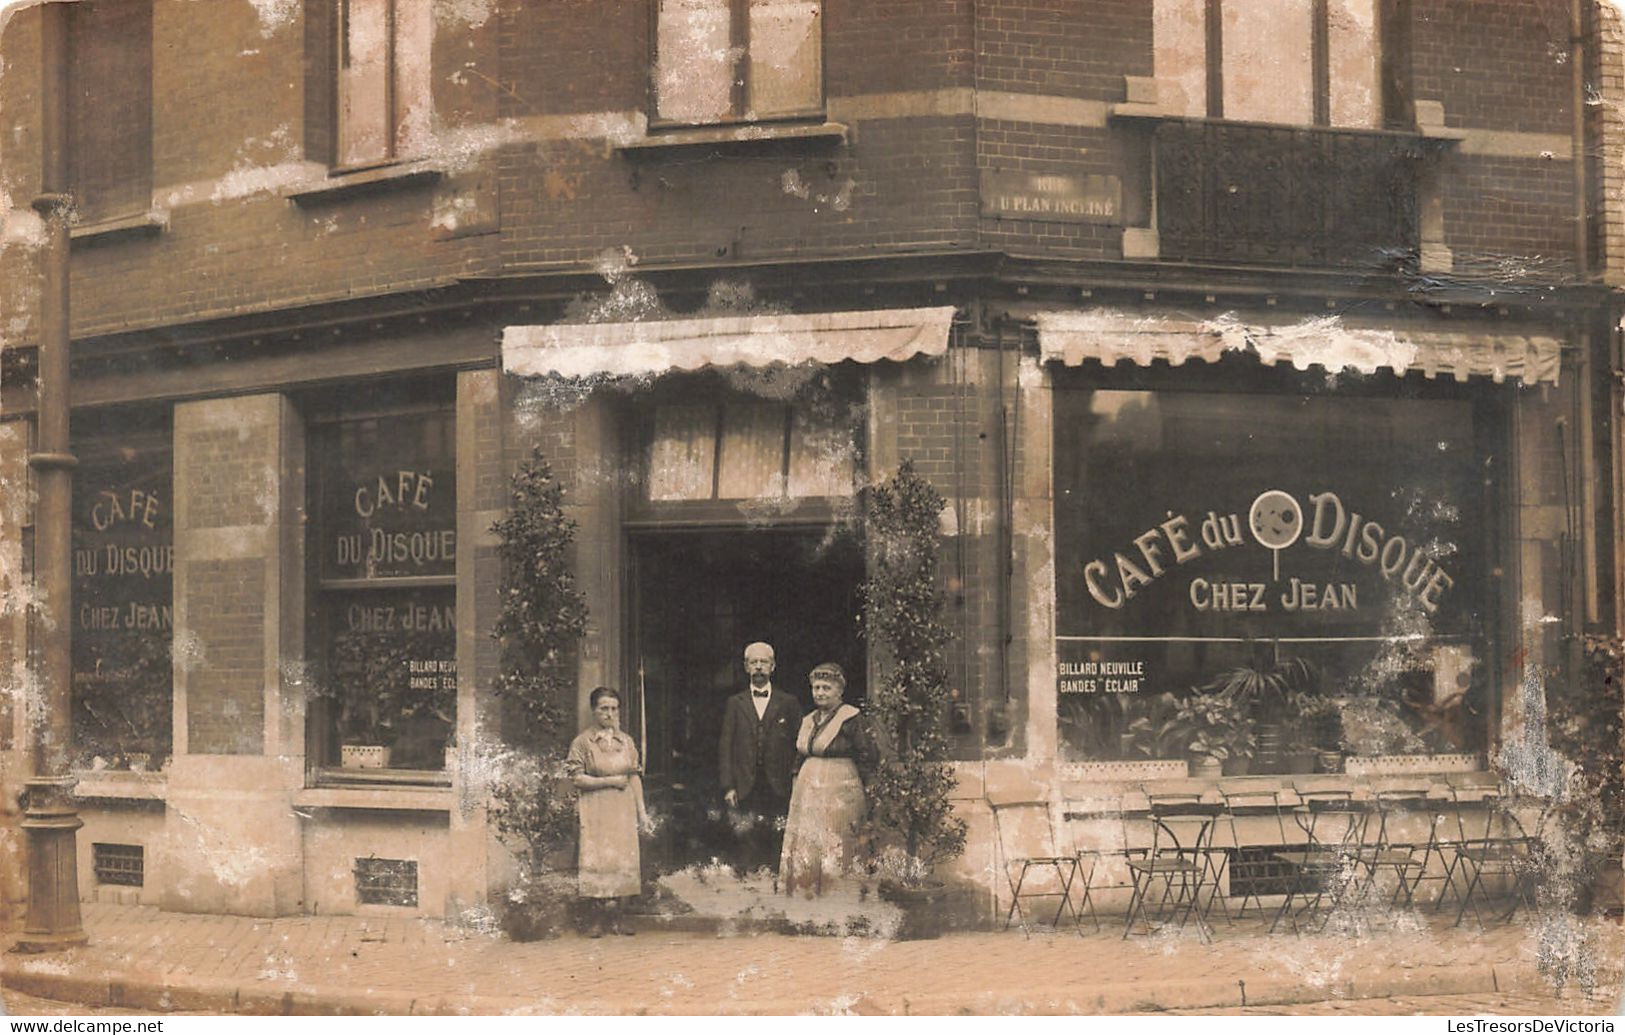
point(1210, 730)
point(541, 620)
point(1583, 719)
point(910, 815)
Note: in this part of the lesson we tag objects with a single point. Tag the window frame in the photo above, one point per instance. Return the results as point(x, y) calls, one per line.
point(394, 150)
point(323, 737)
point(1493, 429)
point(1391, 41)
point(739, 106)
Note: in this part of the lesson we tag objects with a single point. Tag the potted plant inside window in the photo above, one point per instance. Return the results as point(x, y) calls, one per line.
point(910, 814)
point(1267, 693)
point(1317, 732)
point(1212, 731)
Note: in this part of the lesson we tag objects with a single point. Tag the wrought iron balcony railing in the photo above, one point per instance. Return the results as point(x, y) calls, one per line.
point(1247, 193)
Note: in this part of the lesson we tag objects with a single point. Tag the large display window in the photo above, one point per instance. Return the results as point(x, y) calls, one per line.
point(1290, 578)
point(123, 595)
point(384, 549)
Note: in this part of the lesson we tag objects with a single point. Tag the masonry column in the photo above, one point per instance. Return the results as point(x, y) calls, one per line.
point(14, 580)
point(231, 839)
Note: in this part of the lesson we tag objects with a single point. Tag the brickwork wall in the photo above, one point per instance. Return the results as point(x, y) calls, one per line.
point(1510, 217)
point(1061, 47)
point(1606, 124)
point(226, 613)
point(1496, 64)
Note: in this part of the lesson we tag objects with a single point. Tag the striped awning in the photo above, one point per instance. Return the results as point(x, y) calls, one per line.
point(1334, 343)
point(657, 346)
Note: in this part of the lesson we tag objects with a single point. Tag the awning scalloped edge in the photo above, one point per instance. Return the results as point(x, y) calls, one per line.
point(657, 346)
point(1331, 342)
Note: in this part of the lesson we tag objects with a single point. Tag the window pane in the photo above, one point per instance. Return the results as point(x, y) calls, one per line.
point(1180, 34)
point(1268, 61)
point(1353, 57)
point(786, 73)
point(822, 460)
point(388, 498)
point(123, 622)
point(695, 61)
point(391, 674)
point(682, 458)
point(364, 134)
point(1196, 533)
point(752, 451)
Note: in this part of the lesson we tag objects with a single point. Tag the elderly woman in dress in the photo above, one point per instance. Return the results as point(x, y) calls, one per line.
point(604, 766)
point(837, 753)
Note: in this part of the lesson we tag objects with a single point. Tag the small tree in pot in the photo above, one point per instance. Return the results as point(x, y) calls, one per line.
point(902, 616)
point(533, 804)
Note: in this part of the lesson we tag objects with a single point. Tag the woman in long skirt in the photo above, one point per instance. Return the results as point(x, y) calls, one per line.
point(837, 753)
point(604, 766)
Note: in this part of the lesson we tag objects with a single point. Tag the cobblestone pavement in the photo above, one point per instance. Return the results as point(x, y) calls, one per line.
point(145, 958)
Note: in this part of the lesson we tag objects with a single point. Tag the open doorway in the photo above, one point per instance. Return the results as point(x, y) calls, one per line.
point(698, 598)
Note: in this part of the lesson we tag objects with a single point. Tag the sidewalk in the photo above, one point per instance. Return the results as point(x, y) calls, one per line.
point(145, 959)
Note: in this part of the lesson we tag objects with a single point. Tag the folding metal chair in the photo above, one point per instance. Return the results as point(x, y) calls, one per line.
point(1250, 806)
point(1391, 850)
point(1093, 858)
point(1506, 854)
point(1334, 826)
point(1022, 824)
point(1180, 858)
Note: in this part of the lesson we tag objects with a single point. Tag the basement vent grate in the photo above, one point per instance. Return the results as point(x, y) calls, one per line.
point(386, 882)
point(119, 864)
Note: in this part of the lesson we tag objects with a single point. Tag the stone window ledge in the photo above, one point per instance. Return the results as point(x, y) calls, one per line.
point(735, 136)
point(342, 184)
point(120, 784)
point(416, 798)
point(140, 224)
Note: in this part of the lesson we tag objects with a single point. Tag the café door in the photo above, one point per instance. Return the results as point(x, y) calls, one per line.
point(698, 598)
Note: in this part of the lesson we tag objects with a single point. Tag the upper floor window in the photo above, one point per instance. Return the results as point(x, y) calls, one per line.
point(1302, 62)
point(110, 107)
point(738, 60)
point(383, 92)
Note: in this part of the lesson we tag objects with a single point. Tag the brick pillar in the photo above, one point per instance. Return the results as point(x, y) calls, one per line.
point(14, 676)
point(232, 842)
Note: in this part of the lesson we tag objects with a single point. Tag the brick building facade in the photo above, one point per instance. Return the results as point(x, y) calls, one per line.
point(341, 264)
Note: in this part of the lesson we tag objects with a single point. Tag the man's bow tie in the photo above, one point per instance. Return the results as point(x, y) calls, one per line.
point(760, 693)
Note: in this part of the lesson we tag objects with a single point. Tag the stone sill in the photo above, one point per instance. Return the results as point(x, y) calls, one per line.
point(342, 184)
point(1141, 112)
point(734, 136)
point(120, 784)
point(378, 798)
point(142, 224)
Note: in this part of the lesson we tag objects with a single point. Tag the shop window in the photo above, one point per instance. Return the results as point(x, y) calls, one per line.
point(1333, 550)
point(110, 107)
point(384, 548)
point(738, 60)
point(744, 449)
point(123, 597)
point(383, 80)
point(1301, 62)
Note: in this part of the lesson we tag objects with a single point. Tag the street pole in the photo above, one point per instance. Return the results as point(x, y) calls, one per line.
point(50, 816)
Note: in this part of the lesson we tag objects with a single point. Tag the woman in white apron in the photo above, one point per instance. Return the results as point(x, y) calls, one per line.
point(604, 766)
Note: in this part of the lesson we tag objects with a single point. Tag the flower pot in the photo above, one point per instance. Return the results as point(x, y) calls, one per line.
point(364, 756)
point(1237, 766)
point(922, 905)
point(1206, 767)
point(1328, 761)
point(537, 908)
point(1270, 755)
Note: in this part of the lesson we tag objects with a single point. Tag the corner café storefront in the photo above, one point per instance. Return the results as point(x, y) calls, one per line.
point(1387, 504)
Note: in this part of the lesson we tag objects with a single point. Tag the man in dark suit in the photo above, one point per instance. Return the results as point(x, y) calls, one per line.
point(757, 753)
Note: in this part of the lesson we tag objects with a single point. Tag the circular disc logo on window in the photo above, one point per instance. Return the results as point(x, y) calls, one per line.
point(1276, 519)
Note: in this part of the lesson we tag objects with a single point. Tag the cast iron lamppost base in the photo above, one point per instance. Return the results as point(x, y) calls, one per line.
point(50, 819)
